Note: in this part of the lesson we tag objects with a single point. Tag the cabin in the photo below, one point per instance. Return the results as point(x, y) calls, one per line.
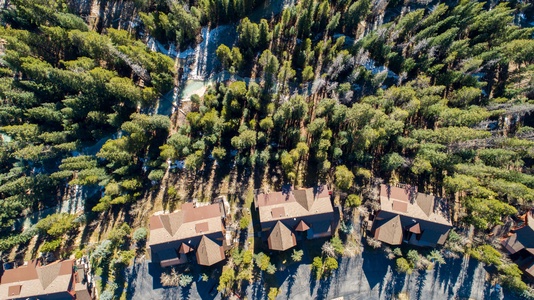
point(37, 280)
point(294, 214)
point(190, 234)
point(408, 216)
point(520, 245)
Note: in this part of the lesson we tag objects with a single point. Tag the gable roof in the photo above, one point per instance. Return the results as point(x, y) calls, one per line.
point(289, 203)
point(390, 231)
point(209, 252)
point(33, 280)
point(186, 223)
point(184, 249)
point(523, 237)
point(419, 206)
point(302, 226)
point(281, 238)
point(416, 228)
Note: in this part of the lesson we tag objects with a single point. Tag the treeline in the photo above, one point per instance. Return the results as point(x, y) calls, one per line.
point(63, 89)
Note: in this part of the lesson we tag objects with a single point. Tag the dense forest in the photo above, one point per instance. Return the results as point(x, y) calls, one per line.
point(349, 93)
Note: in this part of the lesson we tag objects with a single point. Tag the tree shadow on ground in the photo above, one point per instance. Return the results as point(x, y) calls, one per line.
point(324, 288)
point(291, 278)
point(395, 285)
point(467, 283)
point(420, 284)
point(448, 274)
point(375, 266)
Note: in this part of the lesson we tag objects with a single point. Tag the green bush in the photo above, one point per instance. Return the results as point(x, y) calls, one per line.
point(140, 234)
point(403, 266)
point(51, 246)
point(353, 200)
point(244, 222)
point(296, 256)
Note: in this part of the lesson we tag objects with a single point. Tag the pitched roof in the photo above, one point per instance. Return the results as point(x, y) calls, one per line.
point(281, 238)
point(522, 238)
point(189, 222)
point(416, 228)
point(184, 249)
point(302, 226)
point(293, 203)
point(33, 280)
point(209, 252)
point(390, 231)
point(419, 206)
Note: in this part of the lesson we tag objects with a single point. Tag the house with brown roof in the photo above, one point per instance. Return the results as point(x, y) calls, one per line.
point(57, 280)
point(408, 216)
point(289, 215)
point(192, 233)
point(520, 245)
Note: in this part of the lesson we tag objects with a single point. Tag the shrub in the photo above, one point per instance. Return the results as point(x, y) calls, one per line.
point(262, 261)
point(226, 279)
point(296, 256)
point(317, 267)
point(397, 251)
point(486, 254)
point(156, 175)
point(247, 257)
point(117, 235)
point(140, 234)
point(375, 244)
point(170, 279)
point(273, 292)
point(57, 225)
point(436, 257)
point(103, 250)
point(185, 280)
point(330, 264)
point(353, 200)
point(244, 222)
point(403, 266)
point(125, 257)
point(338, 245)
point(413, 257)
point(51, 246)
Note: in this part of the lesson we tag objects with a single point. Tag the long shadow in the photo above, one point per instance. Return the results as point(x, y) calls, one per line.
point(448, 274)
point(324, 288)
point(395, 285)
point(258, 291)
point(291, 278)
point(421, 278)
point(375, 266)
point(467, 283)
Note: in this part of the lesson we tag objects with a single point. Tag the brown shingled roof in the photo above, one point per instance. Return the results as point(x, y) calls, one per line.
point(184, 248)
point(400, 206)
point(416, 228)
point(390, 232)
point(184, 224)
point(34, 280)
point(281, 238)
point(302, 226)
point(209, 252)
point(201, 227)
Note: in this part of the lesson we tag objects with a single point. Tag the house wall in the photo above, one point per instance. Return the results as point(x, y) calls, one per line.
point(56, 296)
point(291, 223)
point(192, 242)
point(406, 220)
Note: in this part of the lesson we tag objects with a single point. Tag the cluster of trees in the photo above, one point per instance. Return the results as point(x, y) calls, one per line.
point(426, 98)
point(180, 21)
point(63, 88)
